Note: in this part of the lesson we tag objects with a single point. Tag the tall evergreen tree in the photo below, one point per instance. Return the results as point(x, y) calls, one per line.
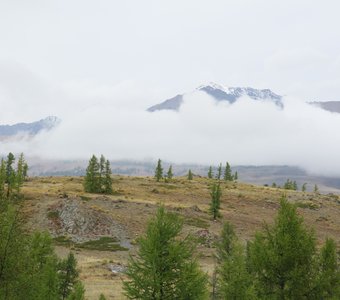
point(304, 187)
point(159, 171)
point(227, 173)
point(25, 170)
point(165, 267)
point(107, 179)
point(215, 203)
point(282, 257)
point(68, 275)
point(169, 175)
point(234, 281)
point(219, 172)
point(210, 172)
point(328, 278)
point(11, 178)
point(236, 176)
point(20, 177)
point(190, 175)
point(2, 178)
point(92, 182)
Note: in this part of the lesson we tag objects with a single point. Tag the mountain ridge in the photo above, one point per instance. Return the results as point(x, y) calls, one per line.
point(31, 128)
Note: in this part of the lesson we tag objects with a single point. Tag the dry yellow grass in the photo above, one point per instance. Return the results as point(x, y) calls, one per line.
point(135, 200)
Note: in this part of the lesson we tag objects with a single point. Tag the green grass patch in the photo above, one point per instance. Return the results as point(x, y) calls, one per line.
point(307, 204)
point(102, 244)
point(63, 241)
point(196, 222)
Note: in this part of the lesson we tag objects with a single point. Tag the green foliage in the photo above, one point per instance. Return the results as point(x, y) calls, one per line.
point(282, 257)
point(68, 275)
point(304, 187)
point(233, 279)
point(316, 189)
point(281, 263)
point(78, 292)
point(290, 185)
point(98, 176)
point(102, 297)
point(328, 281)
point(190, 175)
point(210, 172)
point(159, 171)
point(164, 267)
point(107, 179)
point(236, 176)
point(219, 172)
point(215, 203)
point(227, 173)
point(102, 244)
point(29, 267)
point(169, 175)
point(11, 179)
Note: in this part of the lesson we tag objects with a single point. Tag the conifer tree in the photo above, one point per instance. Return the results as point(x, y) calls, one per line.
point(210, 172)
point(159, 171)
point(190, 175)
point(304, 187)
point(234, 281)
point(20, 172)
point(107, 179)
point(170, 174)
point(236, 176)
point(102, 161)
point(2, 178)
point(215, 203)
point(219, 172)
point(316, 189)
point(328, 281)
point(25, 170)
point(10, 174)
point(227, 173)
point(78, 292)
point(165, 267)
point(92, 182)
point(68, 275)
point(282, 257)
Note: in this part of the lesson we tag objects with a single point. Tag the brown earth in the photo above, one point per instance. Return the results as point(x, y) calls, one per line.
point(59, 205)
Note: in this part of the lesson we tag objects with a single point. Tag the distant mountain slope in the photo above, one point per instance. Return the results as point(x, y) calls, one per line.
point(332, 106)
point(221, 93)
point(232, 94)
point(29, 128)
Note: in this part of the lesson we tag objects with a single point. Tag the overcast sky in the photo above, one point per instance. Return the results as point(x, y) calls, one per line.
point(168, 47)
point(99, 64)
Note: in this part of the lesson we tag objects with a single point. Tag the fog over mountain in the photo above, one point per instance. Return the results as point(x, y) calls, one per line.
point(203, 131)
point(100, 67)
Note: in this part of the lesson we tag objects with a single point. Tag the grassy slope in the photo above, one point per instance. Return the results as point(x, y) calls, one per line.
point(135, 201)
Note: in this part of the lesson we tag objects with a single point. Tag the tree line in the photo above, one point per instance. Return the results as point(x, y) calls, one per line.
point(227, 173)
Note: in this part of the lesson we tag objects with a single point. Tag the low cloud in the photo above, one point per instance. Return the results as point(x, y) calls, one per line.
point(203, 131)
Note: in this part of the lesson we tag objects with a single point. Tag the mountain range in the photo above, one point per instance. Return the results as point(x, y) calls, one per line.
point(30, 129)
point(232, 94)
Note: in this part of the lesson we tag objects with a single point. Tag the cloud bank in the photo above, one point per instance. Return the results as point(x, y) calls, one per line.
point(203, 131)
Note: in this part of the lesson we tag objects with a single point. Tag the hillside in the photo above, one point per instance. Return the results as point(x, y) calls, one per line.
point(76, 219)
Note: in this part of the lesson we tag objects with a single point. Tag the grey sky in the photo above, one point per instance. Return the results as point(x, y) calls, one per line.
point(99, 64)
point(172, 46)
